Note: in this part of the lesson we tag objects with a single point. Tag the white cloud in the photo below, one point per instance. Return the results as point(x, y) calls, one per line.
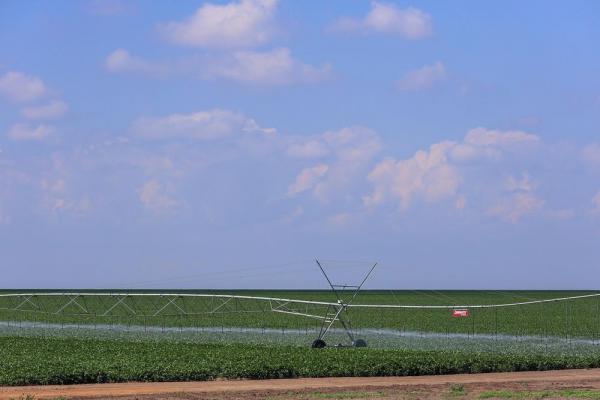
point(55, 194)
point(520, 201)
point(524, 184)
point(354, 144)
point(385, 18)
point(121, 60)
point(427, 175)
point(204, 125)
point(596, 204)
point(18, 87)
point(489, 137)
point(241, 24)
point(154, 197)
point(516, 206)
point(308, 149)
point(54, 109)
point(307, 179)
point(275, 67)
point(55, 186)
point(483, 143)
point(349, 150)
point(434, 175)
point(21, 131)
point(422, 78)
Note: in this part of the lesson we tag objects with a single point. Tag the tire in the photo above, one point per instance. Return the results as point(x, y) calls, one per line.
point(360, 343)
point(318, 344)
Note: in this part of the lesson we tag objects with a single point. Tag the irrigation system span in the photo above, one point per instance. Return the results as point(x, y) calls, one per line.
point(326, 313)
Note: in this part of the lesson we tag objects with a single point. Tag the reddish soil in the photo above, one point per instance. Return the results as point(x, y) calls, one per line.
point(419, 387)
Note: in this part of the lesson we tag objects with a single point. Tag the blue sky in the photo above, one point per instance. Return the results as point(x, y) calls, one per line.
point(227, 144)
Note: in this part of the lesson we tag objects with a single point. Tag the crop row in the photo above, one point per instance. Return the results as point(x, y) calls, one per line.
point(63, 361)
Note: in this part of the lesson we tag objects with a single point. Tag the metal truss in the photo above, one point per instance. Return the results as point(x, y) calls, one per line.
point(338, 312)
point(76, 303)
point(168, 304)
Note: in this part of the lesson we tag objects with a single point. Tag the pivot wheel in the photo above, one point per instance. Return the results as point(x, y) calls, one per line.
point(359, 343)
point(318, 344)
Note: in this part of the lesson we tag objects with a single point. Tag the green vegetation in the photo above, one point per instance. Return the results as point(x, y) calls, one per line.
point(61, 361)
point(575, 318)
point(77, 344)
point(338, 395)
point(457, 391)
point(542, 394)
point(346, 395)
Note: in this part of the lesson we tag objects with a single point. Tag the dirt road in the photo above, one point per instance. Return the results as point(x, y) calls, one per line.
point(428, 386)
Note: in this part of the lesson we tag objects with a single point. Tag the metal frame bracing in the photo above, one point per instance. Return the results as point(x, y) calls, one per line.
point(275, 304)
point(339, 311)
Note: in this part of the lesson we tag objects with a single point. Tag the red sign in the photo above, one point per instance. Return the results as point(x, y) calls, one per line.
point(460, 313)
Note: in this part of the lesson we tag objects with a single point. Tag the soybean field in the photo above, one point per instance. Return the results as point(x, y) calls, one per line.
point(496, 320)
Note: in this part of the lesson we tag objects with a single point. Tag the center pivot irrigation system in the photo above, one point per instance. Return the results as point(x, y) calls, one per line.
point(103, 304)
point(142, 307)
point(336, 312)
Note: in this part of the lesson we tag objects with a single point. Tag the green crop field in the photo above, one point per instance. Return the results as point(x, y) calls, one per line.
point(67, 339)
point(61, 361)
point(574, 318)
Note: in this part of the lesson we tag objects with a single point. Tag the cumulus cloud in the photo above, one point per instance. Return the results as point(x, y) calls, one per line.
point(58, 193)
point(427, 175)
point(241, 24)
point(483, 143)
point(52, 110)
point(312, 148)
point(348, 152)
point(23, 132)
point(57, 200)
point(516, 206)
point(155, 198)
point(307, 179)
point(203, 125)
point(275, 66)
point(489, 137)
point(385, 18)
point(121, 60)
point(520, 201)
point(524, 184)
point(19, 88)
point(422, 78)
point(353, 146)
point(433, 175)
